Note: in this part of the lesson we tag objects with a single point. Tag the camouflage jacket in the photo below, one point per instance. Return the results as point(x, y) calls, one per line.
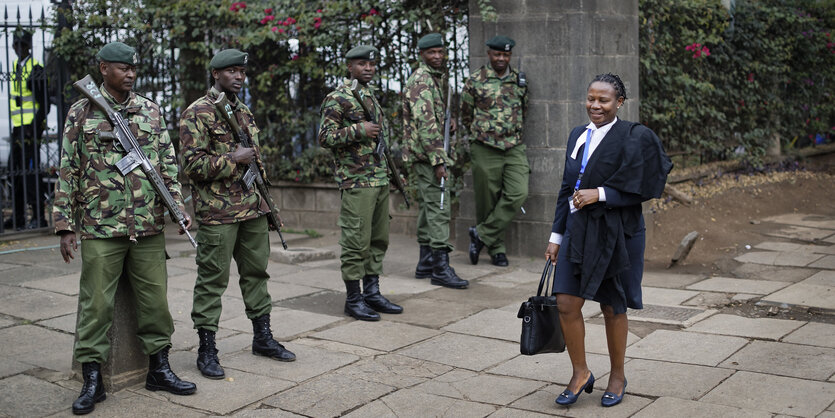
point(423, 117)
point(493, 109)
point(206, 141)
point(92, 197)
point(341, 130)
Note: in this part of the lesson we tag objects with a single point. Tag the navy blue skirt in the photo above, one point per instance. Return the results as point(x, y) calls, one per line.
point(566, 282)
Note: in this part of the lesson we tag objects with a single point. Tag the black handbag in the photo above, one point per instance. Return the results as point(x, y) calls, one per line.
point(541, 332)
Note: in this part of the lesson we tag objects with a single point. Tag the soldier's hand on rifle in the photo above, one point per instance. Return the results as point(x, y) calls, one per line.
point(371, 129)
point(440, 172)
point(187, 220)
point(452, 125)
point(68, 246)
point(243, 155)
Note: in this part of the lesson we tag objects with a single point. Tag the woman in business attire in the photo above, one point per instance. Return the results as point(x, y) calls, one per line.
point(597, 239)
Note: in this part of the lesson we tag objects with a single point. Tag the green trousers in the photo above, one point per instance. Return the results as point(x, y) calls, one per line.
point(249, 243)
point(102, 263)
point(432, 221)
point(500, 183)
point(364, 220)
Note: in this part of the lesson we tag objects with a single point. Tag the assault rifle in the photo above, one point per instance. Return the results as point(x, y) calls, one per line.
point(447, 117)
point(135, 157)
point(381, 151)
point(253, 171)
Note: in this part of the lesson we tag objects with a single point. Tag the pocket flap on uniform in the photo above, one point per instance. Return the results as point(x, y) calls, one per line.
point(350, 222)
point(209, 239)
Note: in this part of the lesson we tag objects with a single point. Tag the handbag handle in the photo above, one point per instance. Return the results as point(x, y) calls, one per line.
point(544, 282)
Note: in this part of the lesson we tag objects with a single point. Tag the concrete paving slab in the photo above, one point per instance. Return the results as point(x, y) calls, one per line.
point(551, 367)
point(339, 347)
point(9, 366)
point(802, 219)
point(395, 370)
point(670, 406)
point(6, 322)
point(663, 296)
point(708, 299)
point(264, 413)
point(233, 343)
point(590, 310)
point(813, 333)
point(310, 362)
point(490, 323)
point(761, 328)
point(512, 279)
point(686, 347)
point(282, 291)
point(328, 396)
point(425, 312)
point(403, 285)
point(223, 396)
point(27, 396)
point(669, 280)
point(35, 305)
point(796, 259)
point(185, 262)
point(596, 339)
point(126, 403)
point(826, 262)
point(464, 351)
point(37, 346)
point(779, 246)
point(672, 315)
point(773, 273)
point(485, 388)
point(315, 277)
point(731, 285)
point(67, 285)
point(516, 413)
point(816, 291)
point(8, 266)
point(588, 405)
point(183, 281)
point(802, 361)
point(412, 403)
point(758, 257)
point(285, 323)
point(658, 378)
point(482, 295)
point(64, 323)
point(800, 233)
point(382, 335)
point(296, 255)
point(23, 273)
point(776, 394)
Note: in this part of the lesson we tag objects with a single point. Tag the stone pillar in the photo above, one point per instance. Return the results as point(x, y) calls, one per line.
point(562, 45)
point(127, 365)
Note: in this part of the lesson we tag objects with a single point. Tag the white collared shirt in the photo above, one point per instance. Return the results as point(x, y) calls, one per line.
point(597, 135)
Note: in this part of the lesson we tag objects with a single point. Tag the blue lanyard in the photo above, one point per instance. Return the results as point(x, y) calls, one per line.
point(585, 160)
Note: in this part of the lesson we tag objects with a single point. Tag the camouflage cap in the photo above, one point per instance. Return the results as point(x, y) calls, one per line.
point(365, 52)
point(228, 58)
point(22, 36)
point(501, 43)
point(432, 40)
point(118, 52)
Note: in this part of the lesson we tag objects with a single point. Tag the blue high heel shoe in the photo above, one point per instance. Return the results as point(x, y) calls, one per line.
point(568, 398)
point(610, 399)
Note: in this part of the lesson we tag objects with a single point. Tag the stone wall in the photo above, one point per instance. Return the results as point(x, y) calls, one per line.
point(562, 45)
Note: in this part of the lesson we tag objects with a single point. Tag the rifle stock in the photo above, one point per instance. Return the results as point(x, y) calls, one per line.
point(447, 117)
point(135, 157)
point(253, 171)
point(381, 150)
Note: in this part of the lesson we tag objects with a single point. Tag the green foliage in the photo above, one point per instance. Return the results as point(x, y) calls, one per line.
point(296, 57)
point(768, 72)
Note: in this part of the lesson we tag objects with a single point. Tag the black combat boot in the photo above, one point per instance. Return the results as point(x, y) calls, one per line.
point(442, 274)
point(161, 377)
point(207, 360)
point(263, 343)
point(92, 392)
point(373, 297)
point(355, 305)
point(424, 266)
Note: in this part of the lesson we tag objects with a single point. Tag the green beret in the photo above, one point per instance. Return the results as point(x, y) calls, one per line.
point(501, 43)
point(433, 40)
point(118, 52)
point(22, 36)
point(365, 52)
point(228, 58)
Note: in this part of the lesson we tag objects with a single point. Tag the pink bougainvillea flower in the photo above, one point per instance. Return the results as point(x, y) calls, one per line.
point(317, 21)
point(373, 12)
point(294, 57)
point(363, 16)
point(281, 31)
point(750, 77)
point(274, 29)
point(268, 11)
point(318, 10)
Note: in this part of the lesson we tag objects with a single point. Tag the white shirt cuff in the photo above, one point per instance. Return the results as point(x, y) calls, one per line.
point(555, 238)
point(601, 195)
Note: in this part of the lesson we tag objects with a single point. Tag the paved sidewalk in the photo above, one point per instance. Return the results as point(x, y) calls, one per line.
point(696, 350)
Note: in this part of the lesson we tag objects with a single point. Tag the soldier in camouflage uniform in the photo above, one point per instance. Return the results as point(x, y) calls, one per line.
point(493, 105)
point(423, 140)
point(363, 180)
point(120, 219)
point(231, 217)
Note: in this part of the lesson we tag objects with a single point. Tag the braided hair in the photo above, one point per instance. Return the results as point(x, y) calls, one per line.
point(614, 80)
